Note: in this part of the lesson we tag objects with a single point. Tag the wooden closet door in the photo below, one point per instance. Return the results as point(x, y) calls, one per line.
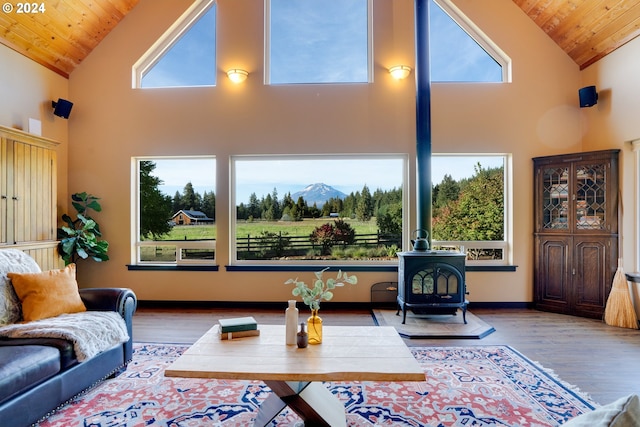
point(33, 199)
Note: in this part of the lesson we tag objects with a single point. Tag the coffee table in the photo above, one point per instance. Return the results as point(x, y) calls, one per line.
point(295, 375)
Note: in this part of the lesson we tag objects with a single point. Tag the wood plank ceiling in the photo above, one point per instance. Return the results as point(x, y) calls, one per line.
point(587, 30)
point(61, 36)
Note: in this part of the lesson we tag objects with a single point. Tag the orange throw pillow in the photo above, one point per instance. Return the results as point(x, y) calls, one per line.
point(47, 294)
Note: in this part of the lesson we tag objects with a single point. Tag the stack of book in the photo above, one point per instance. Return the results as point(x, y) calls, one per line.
point(238, 327)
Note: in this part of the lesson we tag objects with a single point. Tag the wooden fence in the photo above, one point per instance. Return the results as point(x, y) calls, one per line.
point(281, 245)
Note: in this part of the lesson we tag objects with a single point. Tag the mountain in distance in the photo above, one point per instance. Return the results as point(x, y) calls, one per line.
point(318, 193)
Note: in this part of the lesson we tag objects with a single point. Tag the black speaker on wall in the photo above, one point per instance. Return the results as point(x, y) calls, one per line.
point(62, 108)
point(588, 96)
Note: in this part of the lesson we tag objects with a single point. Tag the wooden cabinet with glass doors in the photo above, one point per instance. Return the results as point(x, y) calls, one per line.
point(576, 231)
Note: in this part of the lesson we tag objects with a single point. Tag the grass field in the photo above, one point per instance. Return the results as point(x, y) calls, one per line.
point(255, 228)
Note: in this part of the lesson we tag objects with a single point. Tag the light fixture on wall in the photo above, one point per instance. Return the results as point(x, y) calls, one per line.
point(400, 72)
point(237, 75)
point(588, 96)
point(62, 108)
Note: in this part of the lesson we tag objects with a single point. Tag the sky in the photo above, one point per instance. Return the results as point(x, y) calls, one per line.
point(318, 41)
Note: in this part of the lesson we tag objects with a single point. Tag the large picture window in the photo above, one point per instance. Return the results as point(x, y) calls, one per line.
point(318, 209)
point(175, 210)
point(471, 206)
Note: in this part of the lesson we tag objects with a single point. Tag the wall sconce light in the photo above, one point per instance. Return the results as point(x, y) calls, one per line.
point(237, 75)
point(400, 72)
point(62, 108)
point(588, 96)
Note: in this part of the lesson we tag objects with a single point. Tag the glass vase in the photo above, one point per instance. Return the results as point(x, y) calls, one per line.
point(314, 328)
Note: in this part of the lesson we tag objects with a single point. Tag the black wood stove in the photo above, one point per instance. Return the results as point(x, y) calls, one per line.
point(431, 282)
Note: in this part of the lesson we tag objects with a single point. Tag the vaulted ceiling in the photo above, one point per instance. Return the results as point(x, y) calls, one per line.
point(62, 35)
point(66, 31)
point(587, 30)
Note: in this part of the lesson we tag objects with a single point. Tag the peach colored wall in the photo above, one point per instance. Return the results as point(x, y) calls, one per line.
point(26, 91)
point(613, 122)
point(534, 115)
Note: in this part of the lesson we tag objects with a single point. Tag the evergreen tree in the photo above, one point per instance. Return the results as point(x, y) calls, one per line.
point(242, 212)
point(254, 209)
point(314, 212)
point(267, 212)
point(364, 207)
point(478, 213)
point(189, 200)
point(177, 202)
point(301, 208)
point(447, 191)
point(209, 204)
point(348, 209)
point(155, 207)
point(389, 218)
point(275, 204)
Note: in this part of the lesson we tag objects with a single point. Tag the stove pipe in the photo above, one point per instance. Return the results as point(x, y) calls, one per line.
point(423, 118)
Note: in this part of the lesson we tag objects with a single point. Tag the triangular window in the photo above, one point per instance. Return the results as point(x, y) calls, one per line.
point(185, 55)
point(459, 51)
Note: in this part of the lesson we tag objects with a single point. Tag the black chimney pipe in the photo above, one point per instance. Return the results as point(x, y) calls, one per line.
point(423, 118)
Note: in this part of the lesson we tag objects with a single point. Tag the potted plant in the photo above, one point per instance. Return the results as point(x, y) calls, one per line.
point(80, 238)
point(312, 296)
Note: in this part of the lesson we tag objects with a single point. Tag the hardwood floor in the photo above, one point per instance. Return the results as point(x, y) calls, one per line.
point(601, 360)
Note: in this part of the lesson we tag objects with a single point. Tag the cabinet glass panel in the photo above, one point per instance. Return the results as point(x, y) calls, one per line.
point(555, 198)
point(590, 197)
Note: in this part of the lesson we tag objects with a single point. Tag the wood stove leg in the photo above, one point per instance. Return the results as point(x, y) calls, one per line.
point(403, 307)
point(464, 314)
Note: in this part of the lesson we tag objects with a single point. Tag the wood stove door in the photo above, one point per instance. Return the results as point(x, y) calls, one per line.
point(436, 283)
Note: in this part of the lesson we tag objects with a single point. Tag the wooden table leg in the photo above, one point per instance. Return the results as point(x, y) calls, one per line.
point(312, 401)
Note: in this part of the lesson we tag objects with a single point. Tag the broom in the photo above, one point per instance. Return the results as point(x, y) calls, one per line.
point(619, 310)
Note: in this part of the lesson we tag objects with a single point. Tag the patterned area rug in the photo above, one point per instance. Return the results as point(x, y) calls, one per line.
point(464, 386)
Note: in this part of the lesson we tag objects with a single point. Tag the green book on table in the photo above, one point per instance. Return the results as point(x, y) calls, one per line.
point(238, 324)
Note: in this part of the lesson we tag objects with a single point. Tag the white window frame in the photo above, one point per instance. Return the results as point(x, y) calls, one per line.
point(137, 244)
point(479, 36)
point(267, 48)
point(233, 204)
point(182, 25)
point(507, 243)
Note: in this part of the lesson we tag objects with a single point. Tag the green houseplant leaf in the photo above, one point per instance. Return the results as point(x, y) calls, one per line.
point(80, 237)
point(320, 290)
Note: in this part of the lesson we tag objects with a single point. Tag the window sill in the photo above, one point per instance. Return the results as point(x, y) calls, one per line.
point(356, 268)
point(184, 267)
point(276, 268)
point(307, 267)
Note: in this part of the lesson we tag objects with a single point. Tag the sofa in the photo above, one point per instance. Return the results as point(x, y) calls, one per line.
point(42, 364)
